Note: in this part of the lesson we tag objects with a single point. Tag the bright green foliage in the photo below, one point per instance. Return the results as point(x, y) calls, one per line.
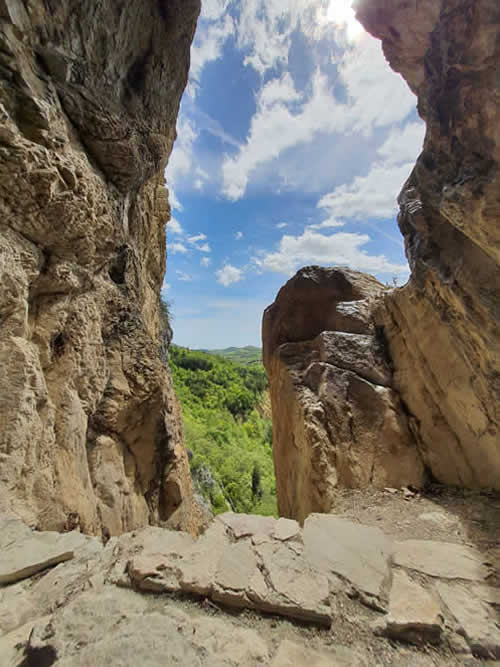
point(224, 430)
point(240, 355)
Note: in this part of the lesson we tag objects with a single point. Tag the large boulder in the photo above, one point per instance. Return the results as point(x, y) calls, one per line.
point(337, 420)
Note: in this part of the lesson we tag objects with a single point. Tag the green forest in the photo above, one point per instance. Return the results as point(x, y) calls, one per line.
point(229, 439)
point(240, 355)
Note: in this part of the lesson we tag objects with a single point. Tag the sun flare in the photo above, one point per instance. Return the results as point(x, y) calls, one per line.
point(341, 13)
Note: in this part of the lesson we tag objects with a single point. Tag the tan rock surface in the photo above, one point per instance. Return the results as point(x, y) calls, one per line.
point(443, 326)
point(337, 422)
point(75, 614)
point(441, 559)
point(414, 614)
point(91, 432)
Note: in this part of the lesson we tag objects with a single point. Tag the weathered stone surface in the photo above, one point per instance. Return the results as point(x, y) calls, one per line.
point(442, 328)
point(360, 554)
point(91, 432)
point(35, 552)
point(259, 570)
point(243, 525)
point(414, 615)
point(291, 654)
point(286, 529)
point(115, 626)
point(336, 419)
point(475, 620)
point(441, 559)
point(235, 571)
point(293, 587)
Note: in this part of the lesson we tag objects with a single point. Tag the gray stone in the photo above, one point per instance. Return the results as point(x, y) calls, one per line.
point(414, 615)
point(291, 654)
point(30, 599)
point(236, 568)
point(358, 553)
point(286, 529)
point(198, 566)
point(118, 628)
point(33, 552)
point(292, 588)
point(244, 525)
point(441, 559)
point(474, 618)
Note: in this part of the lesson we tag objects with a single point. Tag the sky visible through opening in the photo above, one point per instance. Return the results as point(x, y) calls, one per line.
point(294, 139)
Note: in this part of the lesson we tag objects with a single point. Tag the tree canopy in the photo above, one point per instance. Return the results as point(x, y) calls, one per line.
point(229, 439)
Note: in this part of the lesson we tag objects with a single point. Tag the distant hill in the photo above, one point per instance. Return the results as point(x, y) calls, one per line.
point(240, 355)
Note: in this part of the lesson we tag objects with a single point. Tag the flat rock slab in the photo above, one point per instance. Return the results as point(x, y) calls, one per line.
point(358, 553)
point(441, 559)
point(246, 525)
point(475, 619)
point(263, 569)
point(291, 654)
point(33, 552)
point(414, 615)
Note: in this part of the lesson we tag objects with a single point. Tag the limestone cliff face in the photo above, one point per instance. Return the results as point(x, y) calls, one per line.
point(90, 429)
point(337, 420)
point(443, 327)
point(441, 331)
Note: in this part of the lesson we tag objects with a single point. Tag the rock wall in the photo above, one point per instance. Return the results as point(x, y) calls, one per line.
point(90, 429)
point(437, 408)
point(337, 420)
point(443, 326)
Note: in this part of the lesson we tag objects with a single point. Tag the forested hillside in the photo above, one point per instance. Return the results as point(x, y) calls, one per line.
point(240, 355)
point(229, 439)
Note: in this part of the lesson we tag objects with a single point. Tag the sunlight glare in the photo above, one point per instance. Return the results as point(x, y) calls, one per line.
point(342, 14)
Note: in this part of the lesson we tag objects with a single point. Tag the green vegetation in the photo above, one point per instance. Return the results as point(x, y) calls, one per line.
point(230, 441)
point(240, 355)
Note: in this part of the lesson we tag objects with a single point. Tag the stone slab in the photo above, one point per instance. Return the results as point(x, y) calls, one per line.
point(475, 619)
point(441, 559)
point(34, 552)
point(414, 614)
point(361, 554)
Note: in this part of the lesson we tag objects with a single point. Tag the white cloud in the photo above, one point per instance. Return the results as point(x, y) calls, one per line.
point(328, 223)
point(197, 237)
point(311, 247)
point(403, 144)
point(184, 277)
point(174, 227)
point(370, 196)
point(179, 164)
point(286, 118)
point(204, 247)
point(205, 261)
point(238, 236)
point(281, 225)
point(208, 43)
point(177, 248)
point(228, 275)
point(165, 288)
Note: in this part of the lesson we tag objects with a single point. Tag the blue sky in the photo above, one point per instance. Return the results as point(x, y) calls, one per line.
point(294, 139)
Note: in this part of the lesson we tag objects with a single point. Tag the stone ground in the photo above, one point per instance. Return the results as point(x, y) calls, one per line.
point(393, 579)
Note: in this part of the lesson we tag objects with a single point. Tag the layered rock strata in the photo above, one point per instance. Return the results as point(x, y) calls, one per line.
point(443, 326)
point(90, 429)
point(337, 420)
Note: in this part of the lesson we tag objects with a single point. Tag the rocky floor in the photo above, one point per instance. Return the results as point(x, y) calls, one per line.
point(258, 591)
